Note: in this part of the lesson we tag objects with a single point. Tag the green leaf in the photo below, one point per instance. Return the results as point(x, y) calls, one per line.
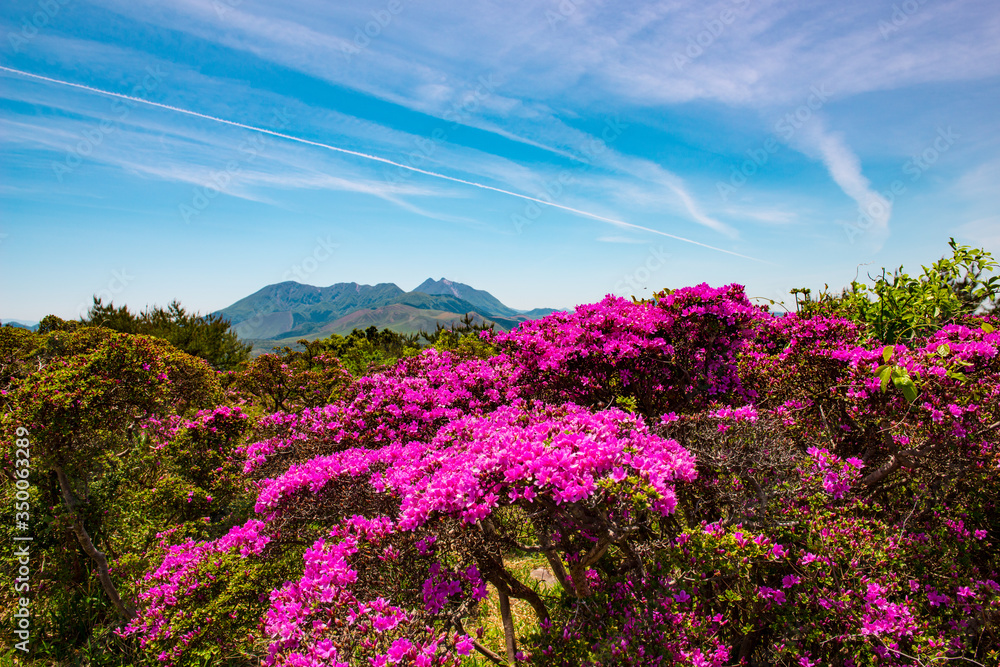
point(884, 374)
point(905, 385)
point(887, 353)
point(732, 596)
point(944, 350)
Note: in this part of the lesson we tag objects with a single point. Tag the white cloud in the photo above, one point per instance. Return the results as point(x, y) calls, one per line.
point(432, 84)
point(844, 168)
point(605, 54)
point(620, 239)
point(768, 216)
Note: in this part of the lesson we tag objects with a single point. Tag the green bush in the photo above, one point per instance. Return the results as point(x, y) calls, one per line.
point(899, 307)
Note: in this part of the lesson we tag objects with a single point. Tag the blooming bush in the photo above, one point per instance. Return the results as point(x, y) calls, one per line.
point(768, 491)
point(676, 350)
point(585, 480)
point(706, 484)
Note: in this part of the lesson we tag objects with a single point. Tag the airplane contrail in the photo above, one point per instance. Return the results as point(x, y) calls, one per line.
point(374, 158)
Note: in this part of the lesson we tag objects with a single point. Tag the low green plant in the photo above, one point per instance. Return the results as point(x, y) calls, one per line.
point(898, 307)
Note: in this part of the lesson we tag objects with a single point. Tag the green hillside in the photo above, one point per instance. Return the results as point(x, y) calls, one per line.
point(282, 314)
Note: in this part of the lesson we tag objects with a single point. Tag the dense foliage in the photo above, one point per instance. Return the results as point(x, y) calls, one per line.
point(363, 349)
point(707, 485)
point(205, 336)
point(898, 307)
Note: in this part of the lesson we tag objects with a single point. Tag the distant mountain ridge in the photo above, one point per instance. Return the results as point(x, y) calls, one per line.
point(21, 324)
point(479, 298)
point(286, 312)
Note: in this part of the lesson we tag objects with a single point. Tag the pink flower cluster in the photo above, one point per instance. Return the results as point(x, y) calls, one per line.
point(513, 454)
point(680, 348)
point(837, 475)
point(180, 575)
point(523, 451)
point(312, 620)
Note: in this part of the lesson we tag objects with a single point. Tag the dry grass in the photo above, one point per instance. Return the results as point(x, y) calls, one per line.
point(525, 622)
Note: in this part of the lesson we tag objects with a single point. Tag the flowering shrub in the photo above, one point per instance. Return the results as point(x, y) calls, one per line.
point(292, 380)
point(83, 403)
point(771, 500)
point(675, 350)
point(707, 485)
point(585, 480)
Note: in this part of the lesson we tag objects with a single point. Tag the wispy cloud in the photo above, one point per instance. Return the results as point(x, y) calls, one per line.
point(769, 50)
point(844, 168)
point(366, 156)
point(620, 239)
point(197, 157)
point(768, 216)
point(541, 136)
point(384, 71)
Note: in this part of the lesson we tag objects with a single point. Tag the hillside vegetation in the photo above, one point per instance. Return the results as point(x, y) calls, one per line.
point(702, 482)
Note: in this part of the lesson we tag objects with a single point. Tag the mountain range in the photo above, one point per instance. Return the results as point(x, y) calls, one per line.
point(22, 324)
point(284, 313)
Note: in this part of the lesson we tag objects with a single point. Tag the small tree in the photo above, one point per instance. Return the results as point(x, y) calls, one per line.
point(92, 391)
point(205, 336)
point(293, 380)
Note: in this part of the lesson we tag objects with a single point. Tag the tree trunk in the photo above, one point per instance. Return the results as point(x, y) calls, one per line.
point(508, 627)
point(507, 583)
point(553, 556)
point(126, 612)
point(494, 572)
point(578, 572)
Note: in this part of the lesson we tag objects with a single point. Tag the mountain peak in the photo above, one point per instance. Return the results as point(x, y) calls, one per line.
point(290, 311)
point(479, 298)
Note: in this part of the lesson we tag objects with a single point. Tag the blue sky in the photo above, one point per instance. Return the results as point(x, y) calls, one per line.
point(773, 144)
